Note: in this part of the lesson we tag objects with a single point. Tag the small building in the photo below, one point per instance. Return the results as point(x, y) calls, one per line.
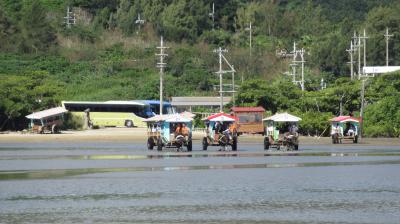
point(250, 119)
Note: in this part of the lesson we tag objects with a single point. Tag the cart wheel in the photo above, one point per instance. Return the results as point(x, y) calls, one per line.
point(205, 143)
point(54, 129)
point(296, 147)
point(150, 144)
point(189, 145)
point(159, 144)
point(266, 143)
point(234, 144)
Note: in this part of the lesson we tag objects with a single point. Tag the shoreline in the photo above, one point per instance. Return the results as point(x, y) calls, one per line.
point(139, 135)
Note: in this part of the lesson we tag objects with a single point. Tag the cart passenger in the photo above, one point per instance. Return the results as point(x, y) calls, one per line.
point(351, 130)
point(227, 131)
point(182, 130)
point(338, 129)
point(179, 130)
point(293, 129)
point(232, 127)
point(218, 127)
point(185, 130)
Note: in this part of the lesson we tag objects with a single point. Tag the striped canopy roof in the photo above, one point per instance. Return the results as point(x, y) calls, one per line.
point(343, 119)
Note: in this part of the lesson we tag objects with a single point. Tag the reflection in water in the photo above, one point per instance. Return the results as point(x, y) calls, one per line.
point(195, 155)
point(286, 188)
point(88, 197)
point(46, 174)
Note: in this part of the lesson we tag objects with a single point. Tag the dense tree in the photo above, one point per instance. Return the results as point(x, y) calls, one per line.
point(377, 21)
point(24, 94)
point(7, 33)
point(37, 34)
point(185, 20)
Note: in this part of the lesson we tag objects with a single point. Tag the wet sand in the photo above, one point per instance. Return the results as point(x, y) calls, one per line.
point(109, 176)
point(138, 135)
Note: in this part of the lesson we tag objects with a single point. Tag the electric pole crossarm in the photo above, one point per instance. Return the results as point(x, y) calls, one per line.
point(230, 66)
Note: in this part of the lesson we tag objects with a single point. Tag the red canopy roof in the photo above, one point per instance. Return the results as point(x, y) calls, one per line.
point(345, 119)
point(221, 114)
point(247, 109)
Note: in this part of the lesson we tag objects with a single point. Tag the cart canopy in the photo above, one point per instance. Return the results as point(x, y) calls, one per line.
point(47, 113)
point(344, 119)
point(221, 117)
point(188, 114)
point(283, 117)
point(171, 118)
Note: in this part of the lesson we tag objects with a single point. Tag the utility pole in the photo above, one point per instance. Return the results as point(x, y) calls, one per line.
point(161, 65)
point(233, 86)
point(357, 45)
point(212, 15)
point(323, 84)
point(351, 51)
point(220, 72)
point(293, 65)
point(359, 56)
point(139, 22)
point(302, 51)
point(364, 37)
point(250, 34)
point(387, 37)
point(70, 18)
point(362, 106)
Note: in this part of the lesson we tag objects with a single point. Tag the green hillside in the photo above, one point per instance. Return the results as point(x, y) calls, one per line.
point(107, 56)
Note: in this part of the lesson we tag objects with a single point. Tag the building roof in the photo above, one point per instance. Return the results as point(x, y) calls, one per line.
point(111, 102)
point(198, 101)
point(247, 109)
point(47, 113)
point(343, 119)
point(283, 117)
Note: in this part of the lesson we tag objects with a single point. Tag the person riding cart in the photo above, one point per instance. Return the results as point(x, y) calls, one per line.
point(169, 131)
point(220, 131)
point(344, 128)
point(281, 132)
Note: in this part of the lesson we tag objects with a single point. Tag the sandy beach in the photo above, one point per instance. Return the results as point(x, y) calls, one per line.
point(139, 135)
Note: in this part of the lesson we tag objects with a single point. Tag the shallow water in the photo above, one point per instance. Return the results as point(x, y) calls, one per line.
point(123, 183)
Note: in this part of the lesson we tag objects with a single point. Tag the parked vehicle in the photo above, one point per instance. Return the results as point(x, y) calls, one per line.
point(344, 128)
point(281, 132)
point(220, 131)
point(46, 121)
point(169, 131)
